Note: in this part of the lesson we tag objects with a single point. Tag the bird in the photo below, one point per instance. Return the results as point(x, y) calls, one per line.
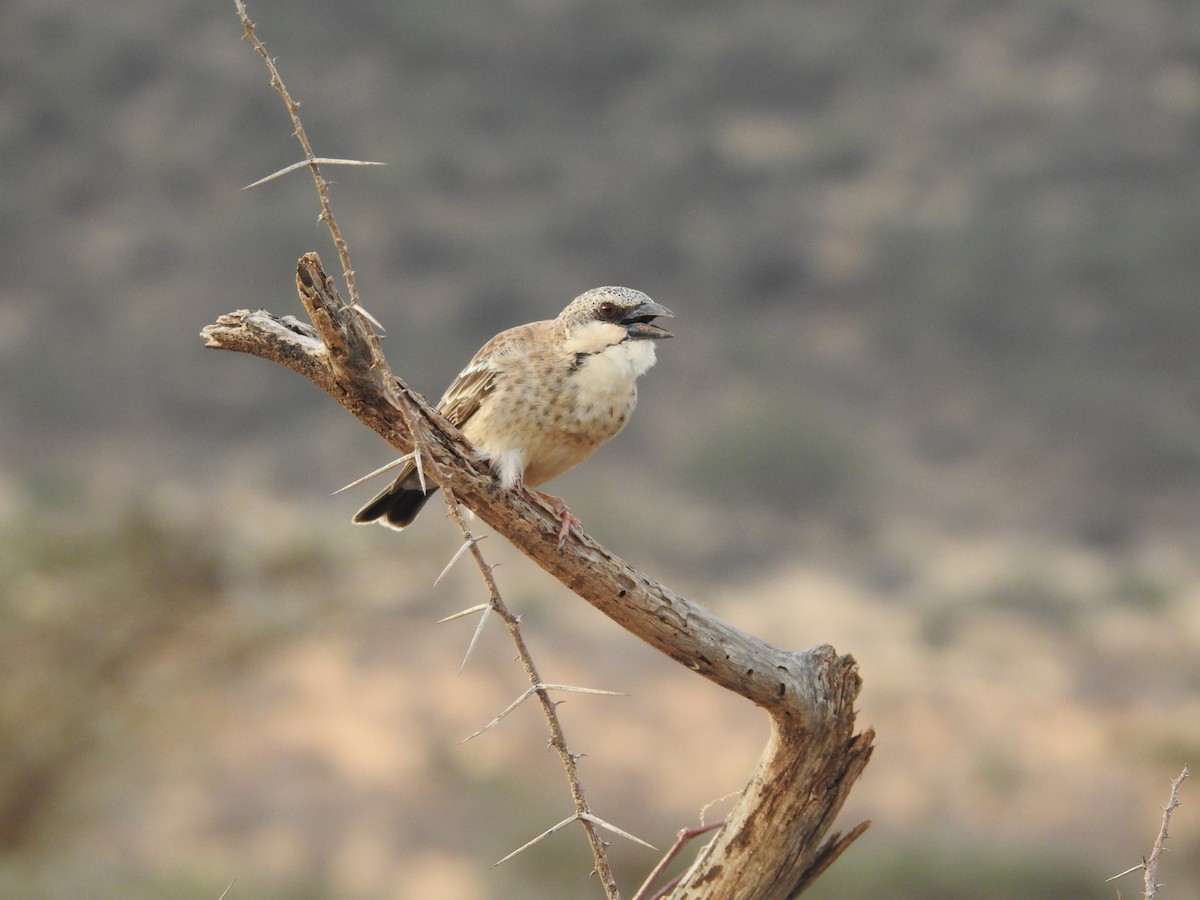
point(539, 399)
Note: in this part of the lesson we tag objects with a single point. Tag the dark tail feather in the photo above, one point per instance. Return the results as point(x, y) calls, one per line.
point(396, 507)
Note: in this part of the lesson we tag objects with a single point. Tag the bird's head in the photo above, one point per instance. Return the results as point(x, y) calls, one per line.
point(606, 309)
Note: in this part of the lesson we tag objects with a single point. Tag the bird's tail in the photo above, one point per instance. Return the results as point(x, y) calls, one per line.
point(397, 506)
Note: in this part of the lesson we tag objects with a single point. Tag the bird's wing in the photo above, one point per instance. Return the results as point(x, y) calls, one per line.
point(485, 372)
point(467, 391)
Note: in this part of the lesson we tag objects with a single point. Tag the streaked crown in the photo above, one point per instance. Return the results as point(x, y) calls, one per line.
point(618, 306)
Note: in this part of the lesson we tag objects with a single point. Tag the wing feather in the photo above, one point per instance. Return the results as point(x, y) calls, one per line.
point(462, 399)
point(485, 371)
point(466, 392)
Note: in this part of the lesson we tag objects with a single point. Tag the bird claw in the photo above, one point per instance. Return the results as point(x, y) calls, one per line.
point(567, 519)
point(568, 522)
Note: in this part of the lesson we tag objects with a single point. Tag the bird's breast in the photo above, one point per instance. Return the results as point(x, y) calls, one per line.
point(609, 377)
point(548, 417)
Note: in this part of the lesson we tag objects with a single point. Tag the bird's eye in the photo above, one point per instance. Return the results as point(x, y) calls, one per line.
point(608, 309)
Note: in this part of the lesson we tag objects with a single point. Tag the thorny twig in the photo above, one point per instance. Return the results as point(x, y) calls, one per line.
point(558, 739)
point(398, 396)
point(310, 158)
point(1152, 884)
point(1150, 863)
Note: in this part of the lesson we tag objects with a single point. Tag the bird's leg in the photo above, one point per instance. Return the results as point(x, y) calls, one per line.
point(567, 519)
point(508, 473)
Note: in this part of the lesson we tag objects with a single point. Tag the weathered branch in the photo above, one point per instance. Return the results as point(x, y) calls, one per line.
point(774, 842)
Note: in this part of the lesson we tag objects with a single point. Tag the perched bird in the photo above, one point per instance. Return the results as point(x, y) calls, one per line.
point(539, 399)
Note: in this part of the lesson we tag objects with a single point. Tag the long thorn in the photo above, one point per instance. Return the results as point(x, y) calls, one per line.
point(416, 455)
point(475, 637)
point(1140, 865)
point(535, 689)
point(456, 557)
point(578, 690)
point(545, 834)
point(464, 612)
point(384, 468)
point(358, 307)
point(596, 820)
point(496, 721)
point(308, 162)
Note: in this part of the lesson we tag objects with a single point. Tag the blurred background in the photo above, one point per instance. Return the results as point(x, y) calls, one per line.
point(934, 399)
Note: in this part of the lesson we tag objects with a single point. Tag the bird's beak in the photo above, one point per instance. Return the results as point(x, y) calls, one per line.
point(639, 324)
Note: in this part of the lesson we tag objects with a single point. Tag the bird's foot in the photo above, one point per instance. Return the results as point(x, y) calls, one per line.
point(567, 519)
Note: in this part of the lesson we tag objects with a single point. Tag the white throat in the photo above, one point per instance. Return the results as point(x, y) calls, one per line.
point(621, 364)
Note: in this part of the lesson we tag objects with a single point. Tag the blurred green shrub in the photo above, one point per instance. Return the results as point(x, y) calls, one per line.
point(87, 605)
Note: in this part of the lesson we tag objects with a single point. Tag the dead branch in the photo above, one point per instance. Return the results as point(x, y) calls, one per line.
point(777, 839)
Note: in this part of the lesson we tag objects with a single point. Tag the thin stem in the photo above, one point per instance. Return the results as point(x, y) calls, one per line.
point(558, 738)
point(682, 839)
point(1160, 842)
point(293, 109)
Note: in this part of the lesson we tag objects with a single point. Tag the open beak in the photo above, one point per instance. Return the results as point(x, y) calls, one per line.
point(639, 324)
